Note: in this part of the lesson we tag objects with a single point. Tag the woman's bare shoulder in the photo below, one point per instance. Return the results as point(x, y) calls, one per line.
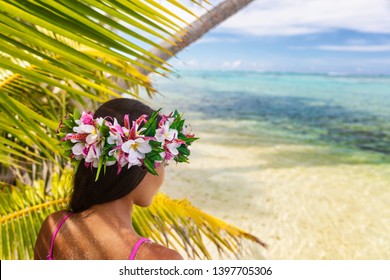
point(42, 244)
point(52, 221)
point(154, 251)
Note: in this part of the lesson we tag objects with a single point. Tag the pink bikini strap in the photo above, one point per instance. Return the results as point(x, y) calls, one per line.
point(50, 255)
point(136, 247)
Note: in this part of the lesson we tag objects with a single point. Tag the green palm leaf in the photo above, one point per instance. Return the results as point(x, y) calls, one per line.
point(56, 55)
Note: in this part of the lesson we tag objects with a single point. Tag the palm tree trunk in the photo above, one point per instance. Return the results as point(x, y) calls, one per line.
point(197, 29)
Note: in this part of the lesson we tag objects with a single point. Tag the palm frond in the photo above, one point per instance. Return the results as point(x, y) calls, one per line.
point(23, 209)
point(56, 55)
point(175, 223)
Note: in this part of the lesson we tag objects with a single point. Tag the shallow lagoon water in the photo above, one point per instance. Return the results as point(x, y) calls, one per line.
point(348, 111)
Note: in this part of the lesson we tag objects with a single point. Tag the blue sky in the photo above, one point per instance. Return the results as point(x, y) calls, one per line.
point(343, 36)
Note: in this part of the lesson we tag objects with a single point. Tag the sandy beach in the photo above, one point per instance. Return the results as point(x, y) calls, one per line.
point(304, 201)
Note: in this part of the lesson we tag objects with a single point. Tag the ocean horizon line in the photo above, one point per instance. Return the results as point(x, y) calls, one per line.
point(298, 73)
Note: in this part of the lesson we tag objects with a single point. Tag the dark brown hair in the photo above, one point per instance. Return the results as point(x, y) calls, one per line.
point(110, 185)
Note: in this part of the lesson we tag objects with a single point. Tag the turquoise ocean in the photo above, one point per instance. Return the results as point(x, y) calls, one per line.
point(351, 112)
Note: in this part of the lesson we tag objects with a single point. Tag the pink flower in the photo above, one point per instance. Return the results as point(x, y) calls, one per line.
point(86, 118)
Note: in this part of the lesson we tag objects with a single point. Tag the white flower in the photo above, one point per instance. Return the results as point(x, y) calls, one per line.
point(99, 121)
point(133, 160)
point(84, 128)
point(163, 155)
point(165, 133)
point(77, 150)
point(172, 148)
point(93, 155)
point(122, 161)
point(115, 138)
point(136, 150)
point(93, 134)
point(93, 138)
point(109, 163)
point(116, 134)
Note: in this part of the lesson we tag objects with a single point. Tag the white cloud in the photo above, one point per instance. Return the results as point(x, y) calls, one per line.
point(296, 17)
point(231, 65)
point(356, 48)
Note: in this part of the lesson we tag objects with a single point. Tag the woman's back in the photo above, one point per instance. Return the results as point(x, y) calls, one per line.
point(88, 236)
point(120, 152)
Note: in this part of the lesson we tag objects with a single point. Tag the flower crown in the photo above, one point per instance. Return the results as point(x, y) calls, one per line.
point(104, 142)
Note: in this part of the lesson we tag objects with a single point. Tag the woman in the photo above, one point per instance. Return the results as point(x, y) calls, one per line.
point(122, 152)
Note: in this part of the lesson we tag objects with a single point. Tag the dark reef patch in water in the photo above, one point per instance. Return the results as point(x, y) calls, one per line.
point(319, 120)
